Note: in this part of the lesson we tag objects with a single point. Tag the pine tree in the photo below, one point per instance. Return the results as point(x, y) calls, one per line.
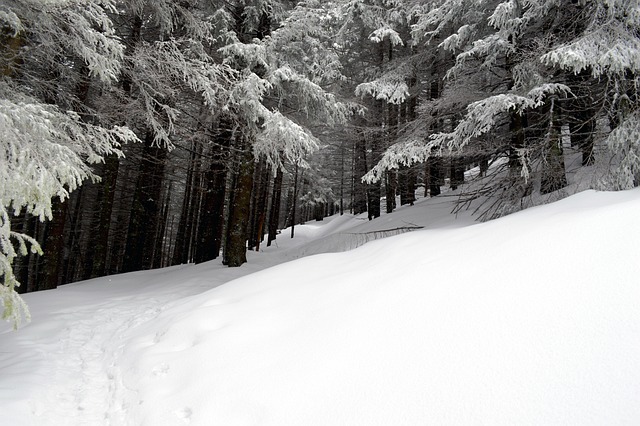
point(48, 141)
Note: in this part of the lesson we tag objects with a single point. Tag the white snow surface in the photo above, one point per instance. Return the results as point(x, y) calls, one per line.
point(532, 319)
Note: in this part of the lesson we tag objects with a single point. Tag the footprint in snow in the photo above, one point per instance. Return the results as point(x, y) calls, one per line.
point(184, 414)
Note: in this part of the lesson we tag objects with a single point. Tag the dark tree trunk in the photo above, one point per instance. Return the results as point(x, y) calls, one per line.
point(294, 202)
point(391, 176)
point(210, 226)
point(318, 212)
point(274, 212)
point(360, 168)
point(105, 202)
point(125, 189)
point(194, 210)
point(158, 255)
point(483, 164)
point(73, 244)
point(25, 224)
point(375, 142)
point(516, 127)
point(181, 249)
point(261, 207)
point(390, 184)
point(373, 200)
point(53, 247)
point(434, 176)
point(553, 174)
point(235, 253)
point(581, 111)
point(288, 207)
point(342, 155)
point(407, 180)
point(146, 208)
point(456, 176)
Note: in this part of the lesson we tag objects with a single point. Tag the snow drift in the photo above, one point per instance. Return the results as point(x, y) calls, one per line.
point(530, 319)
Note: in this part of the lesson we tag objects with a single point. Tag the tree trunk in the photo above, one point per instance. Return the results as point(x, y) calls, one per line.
point(235, 253)
point(456, 176)
point(146, 208)
point(407, 182)
point(261, 207)
point(210, 226)
point(294, 202)
point(434, 176)
point(553, 174)
point(53, 247)
point(274, 213)
point(158, 255)
point(105, 201)
point(25, 224)
point(516, 127)
point(390, 184)
point(360, 168)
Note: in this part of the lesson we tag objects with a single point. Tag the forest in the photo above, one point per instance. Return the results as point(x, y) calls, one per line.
point(140, 134)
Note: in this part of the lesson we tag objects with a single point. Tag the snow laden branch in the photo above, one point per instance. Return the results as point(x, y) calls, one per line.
point(282, 138)
point(481, 117)
point(490, 49)
point(44, 153)
point(403, 153)
point(59, 28)
point(245, 55)
point(391, 89)
point(93, 38)
point(609, 50)
point(381, 33)
point(246, 98)
point(312, 100)
point(159, 67)
point(459, 39)
point(12, 244)
point(305, 42)
point(610, 44)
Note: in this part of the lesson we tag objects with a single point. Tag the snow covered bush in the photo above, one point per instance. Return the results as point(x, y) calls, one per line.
point(624, 144)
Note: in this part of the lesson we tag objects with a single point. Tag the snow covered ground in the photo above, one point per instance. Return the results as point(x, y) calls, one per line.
point(532, 319)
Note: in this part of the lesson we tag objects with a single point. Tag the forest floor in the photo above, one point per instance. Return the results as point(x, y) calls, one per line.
point(529, 319)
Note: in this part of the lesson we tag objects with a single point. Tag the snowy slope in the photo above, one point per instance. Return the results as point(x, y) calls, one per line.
point(530, 319)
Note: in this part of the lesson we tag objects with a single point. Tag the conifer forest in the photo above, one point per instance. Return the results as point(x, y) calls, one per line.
point(140, 134)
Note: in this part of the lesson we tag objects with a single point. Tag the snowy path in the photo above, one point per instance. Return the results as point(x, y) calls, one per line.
point(75, 370)
point(77, 358)
point(88, 352)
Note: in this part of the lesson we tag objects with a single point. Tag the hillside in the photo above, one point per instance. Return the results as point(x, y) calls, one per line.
point(529, 319)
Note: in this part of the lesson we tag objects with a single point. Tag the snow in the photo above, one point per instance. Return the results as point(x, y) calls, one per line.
point(530, 319)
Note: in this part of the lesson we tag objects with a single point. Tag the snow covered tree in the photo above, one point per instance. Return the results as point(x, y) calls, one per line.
point(47, 140)
point(515, 70)
point(276, 91)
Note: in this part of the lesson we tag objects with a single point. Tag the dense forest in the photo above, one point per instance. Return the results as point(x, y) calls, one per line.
point(139, 134)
